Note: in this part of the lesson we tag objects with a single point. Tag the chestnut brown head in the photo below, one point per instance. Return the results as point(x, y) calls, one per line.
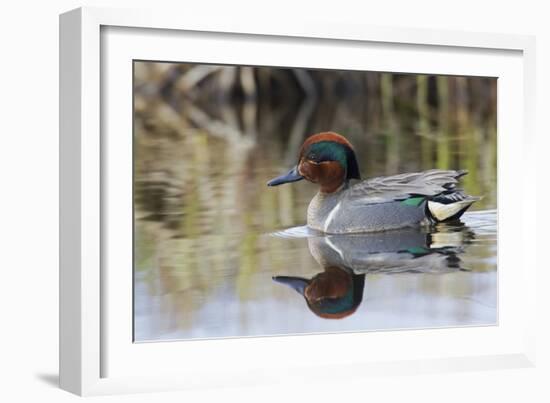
point(326, 159)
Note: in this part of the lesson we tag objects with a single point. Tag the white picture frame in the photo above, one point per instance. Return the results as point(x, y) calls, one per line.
point(96, 356)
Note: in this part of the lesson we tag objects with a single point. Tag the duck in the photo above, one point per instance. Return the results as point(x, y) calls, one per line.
point(346, 204)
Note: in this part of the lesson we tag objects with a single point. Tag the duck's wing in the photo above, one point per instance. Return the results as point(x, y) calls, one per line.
point(403, 186)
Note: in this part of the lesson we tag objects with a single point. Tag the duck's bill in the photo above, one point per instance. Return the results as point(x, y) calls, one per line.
point(296, 283)
point(291, 176)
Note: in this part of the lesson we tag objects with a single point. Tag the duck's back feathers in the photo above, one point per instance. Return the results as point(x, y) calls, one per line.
point(401, 187)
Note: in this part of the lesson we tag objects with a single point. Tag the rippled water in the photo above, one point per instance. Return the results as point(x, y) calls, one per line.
point(219, 254)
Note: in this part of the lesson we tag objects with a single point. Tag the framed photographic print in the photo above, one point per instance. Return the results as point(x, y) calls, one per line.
point(228, 191)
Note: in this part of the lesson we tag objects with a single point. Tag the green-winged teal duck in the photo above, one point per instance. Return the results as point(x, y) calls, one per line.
point(377, 204)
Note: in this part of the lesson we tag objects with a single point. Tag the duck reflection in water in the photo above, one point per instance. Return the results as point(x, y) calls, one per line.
point(337, 291)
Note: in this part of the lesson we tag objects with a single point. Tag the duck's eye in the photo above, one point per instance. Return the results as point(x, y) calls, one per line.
point(314, 158)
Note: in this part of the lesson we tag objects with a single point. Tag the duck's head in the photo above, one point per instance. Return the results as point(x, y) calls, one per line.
point(332, 294)
point(325, 158)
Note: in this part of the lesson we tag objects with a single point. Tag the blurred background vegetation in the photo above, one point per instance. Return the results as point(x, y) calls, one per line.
point(207, 138)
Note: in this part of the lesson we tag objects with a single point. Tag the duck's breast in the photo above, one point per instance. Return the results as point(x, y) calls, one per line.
point(322, 210)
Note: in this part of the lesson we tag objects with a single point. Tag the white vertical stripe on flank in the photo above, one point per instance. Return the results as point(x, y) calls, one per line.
point(330, 216)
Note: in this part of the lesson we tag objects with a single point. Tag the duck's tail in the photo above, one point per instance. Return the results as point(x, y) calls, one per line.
point(449, 206)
